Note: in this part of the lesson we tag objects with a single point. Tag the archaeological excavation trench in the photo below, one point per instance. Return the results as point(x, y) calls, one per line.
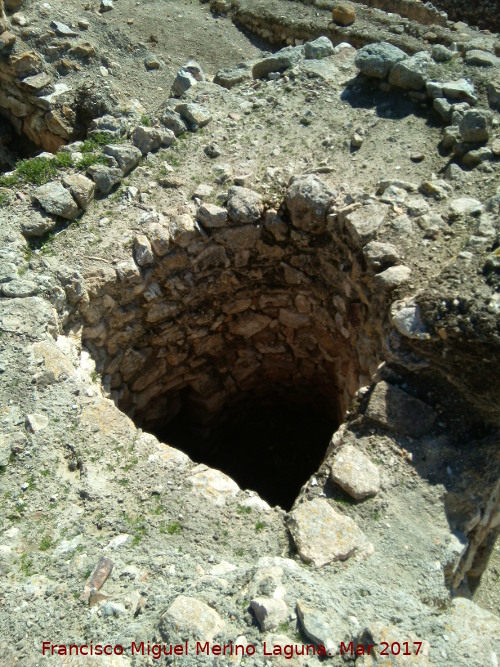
point(242, 337)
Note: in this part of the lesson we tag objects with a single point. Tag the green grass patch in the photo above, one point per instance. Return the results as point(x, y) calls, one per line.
point(170, 528)
point(89, 159)
point(27, 565)
point(46, 543)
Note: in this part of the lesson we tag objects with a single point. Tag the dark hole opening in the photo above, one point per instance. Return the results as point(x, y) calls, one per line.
point(270, 444)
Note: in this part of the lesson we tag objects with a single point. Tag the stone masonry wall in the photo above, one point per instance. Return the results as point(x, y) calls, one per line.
point(244, 301)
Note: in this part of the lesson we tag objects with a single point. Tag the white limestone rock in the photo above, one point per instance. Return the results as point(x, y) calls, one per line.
point(323, 535)
point(269, 612)
point(355, 473)
point(190, 618)
point(213, 485)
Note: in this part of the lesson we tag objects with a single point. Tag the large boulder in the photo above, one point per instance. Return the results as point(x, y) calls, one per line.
point(377, 60)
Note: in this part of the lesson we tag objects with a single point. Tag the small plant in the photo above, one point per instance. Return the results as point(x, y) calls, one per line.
point(283, 627)
point(63, 160)
point(46, 543)
point(145, 121)
point(171, 528)
point(37, 170)
point(4, 200)
point(94, 376)
point(26, 565)
point(133, 462)
point(239, 552)
point(259, 526)
point(100, 139)
point(89, 159)
point(8, 180)
point(243, 510)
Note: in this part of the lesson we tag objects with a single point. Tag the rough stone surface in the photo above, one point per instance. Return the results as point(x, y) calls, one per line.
point(393, 408)
point(308, 201)
point(81, 188)
point(244, 205)
point(190, 618)
point(279, 62)
point(322, 535)
point(127, 156)
point(355, 473)
point(475, 126)
point(344, 14)
point(148, 139)
point(411, 73)
point(318, 48)
point(377, 60)
point(55, 199)
point(269, 612)
point(105, 178)
point(326, 630)
point(364, 223)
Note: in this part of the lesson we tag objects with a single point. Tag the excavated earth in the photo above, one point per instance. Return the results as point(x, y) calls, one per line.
point(249, 335)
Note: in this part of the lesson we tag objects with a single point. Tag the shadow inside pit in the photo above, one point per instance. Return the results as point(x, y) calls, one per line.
point(271, 445)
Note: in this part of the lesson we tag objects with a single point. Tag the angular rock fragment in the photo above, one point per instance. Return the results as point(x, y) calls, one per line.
point(244, 205)
point(127, 156)
point(392, 277)
point(143, 251)
point(81, 188)
point(269, 612)
point(411, 73)
point(228, 78)
point(475, 126)
point(98, 577)
point(38, 224)
point(364, 222)
point(380, 255)
point(148, 139)
point(323, 535)
point(190, 618)
point(279, 62)
point(326, 630)
point(377, 60)
point(308, 200)
point(105, 178)
point(55, 199)
point(319, 48)
point(212, 216)
point(355, 473)
point(173, 121)
point(396, 410)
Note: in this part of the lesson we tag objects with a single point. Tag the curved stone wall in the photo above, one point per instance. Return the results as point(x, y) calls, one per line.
point(244, 301)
